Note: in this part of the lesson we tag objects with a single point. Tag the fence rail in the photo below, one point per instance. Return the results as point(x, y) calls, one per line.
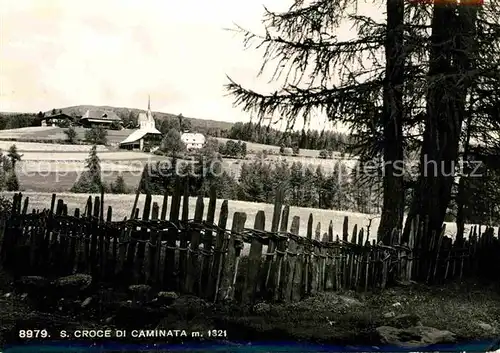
point(199, 257)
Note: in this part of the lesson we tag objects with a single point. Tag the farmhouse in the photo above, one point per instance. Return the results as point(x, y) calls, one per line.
point(193, 140)
point(56, 119)
point(100, 118)
point(147, 137)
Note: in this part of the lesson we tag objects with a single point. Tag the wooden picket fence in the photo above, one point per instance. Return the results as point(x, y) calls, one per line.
point(198, 257)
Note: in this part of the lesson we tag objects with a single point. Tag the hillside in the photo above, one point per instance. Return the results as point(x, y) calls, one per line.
point(195, 123)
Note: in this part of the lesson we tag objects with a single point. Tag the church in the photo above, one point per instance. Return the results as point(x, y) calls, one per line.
point(147, 138)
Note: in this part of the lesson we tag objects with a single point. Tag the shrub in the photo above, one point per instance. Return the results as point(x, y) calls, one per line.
point(323, 154)
point(97, 136)
point(5, 205)
point(90, 179)
point(172, 144)
point(115, 126)
point(12, 182)
point(119, 186)
point(71, 135)
point(14, 156)
point(63, 123)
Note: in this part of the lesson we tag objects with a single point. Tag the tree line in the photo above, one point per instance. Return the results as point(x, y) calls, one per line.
point(16, 121)
point(305, 139)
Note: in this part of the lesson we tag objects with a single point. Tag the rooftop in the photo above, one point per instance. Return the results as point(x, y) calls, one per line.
point(138, 134)
point(101, 115)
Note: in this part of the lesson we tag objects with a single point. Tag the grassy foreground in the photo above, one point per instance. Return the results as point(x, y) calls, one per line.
point(471, 312)
point(351, 318)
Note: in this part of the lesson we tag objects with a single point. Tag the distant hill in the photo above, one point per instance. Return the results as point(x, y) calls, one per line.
point(79, 110)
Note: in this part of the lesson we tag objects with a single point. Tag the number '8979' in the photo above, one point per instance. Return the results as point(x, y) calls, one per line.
point(33, 334)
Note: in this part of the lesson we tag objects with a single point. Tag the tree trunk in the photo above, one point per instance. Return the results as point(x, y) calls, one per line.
point(393, 191)
point(461, 194)
point(451, 45)
point(434, 188)
point(467, 20)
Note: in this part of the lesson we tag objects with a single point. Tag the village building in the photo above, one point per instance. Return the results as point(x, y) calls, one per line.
point(193, 140)
point(147, 137)
point(57, 120)
point(100, 118)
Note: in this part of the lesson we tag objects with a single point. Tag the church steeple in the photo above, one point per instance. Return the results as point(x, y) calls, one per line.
point(146, 120)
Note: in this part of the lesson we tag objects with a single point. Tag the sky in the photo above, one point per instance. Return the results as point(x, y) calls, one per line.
point(59, 53)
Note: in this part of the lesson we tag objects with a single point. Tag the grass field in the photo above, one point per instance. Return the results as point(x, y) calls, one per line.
point(59, 156)
point(27, 132)
point(62, 182)
point(60, 175)
point(122, 205)
point(31, 147)
point(57, 133)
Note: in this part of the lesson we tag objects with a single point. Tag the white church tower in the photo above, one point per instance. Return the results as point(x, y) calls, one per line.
point(146, 128)
point(146, 120)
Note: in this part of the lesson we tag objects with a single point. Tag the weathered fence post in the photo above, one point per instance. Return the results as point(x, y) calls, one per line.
point(291, 260)
point(183, 243)
point(169, 279)
point(308, 247)
point(154, 247)
point(231, 258)
point(267, 281)
point(279, 270)
point(207, 253)
point(218, 252)
point(193, 273)
point(316, 261)
point(143, 238)
point(254, 261)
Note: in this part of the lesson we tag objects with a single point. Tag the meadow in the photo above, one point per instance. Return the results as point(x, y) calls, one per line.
point(36, 172)
point(259, 147)
point(32, 147)
point(50, 133)
point(61, 157)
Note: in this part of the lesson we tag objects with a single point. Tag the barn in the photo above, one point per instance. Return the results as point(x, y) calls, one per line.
point(57, 120)
point(100, 118)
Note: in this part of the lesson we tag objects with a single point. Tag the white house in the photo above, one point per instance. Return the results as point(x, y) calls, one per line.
point(147, 136)
point(193, 140)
